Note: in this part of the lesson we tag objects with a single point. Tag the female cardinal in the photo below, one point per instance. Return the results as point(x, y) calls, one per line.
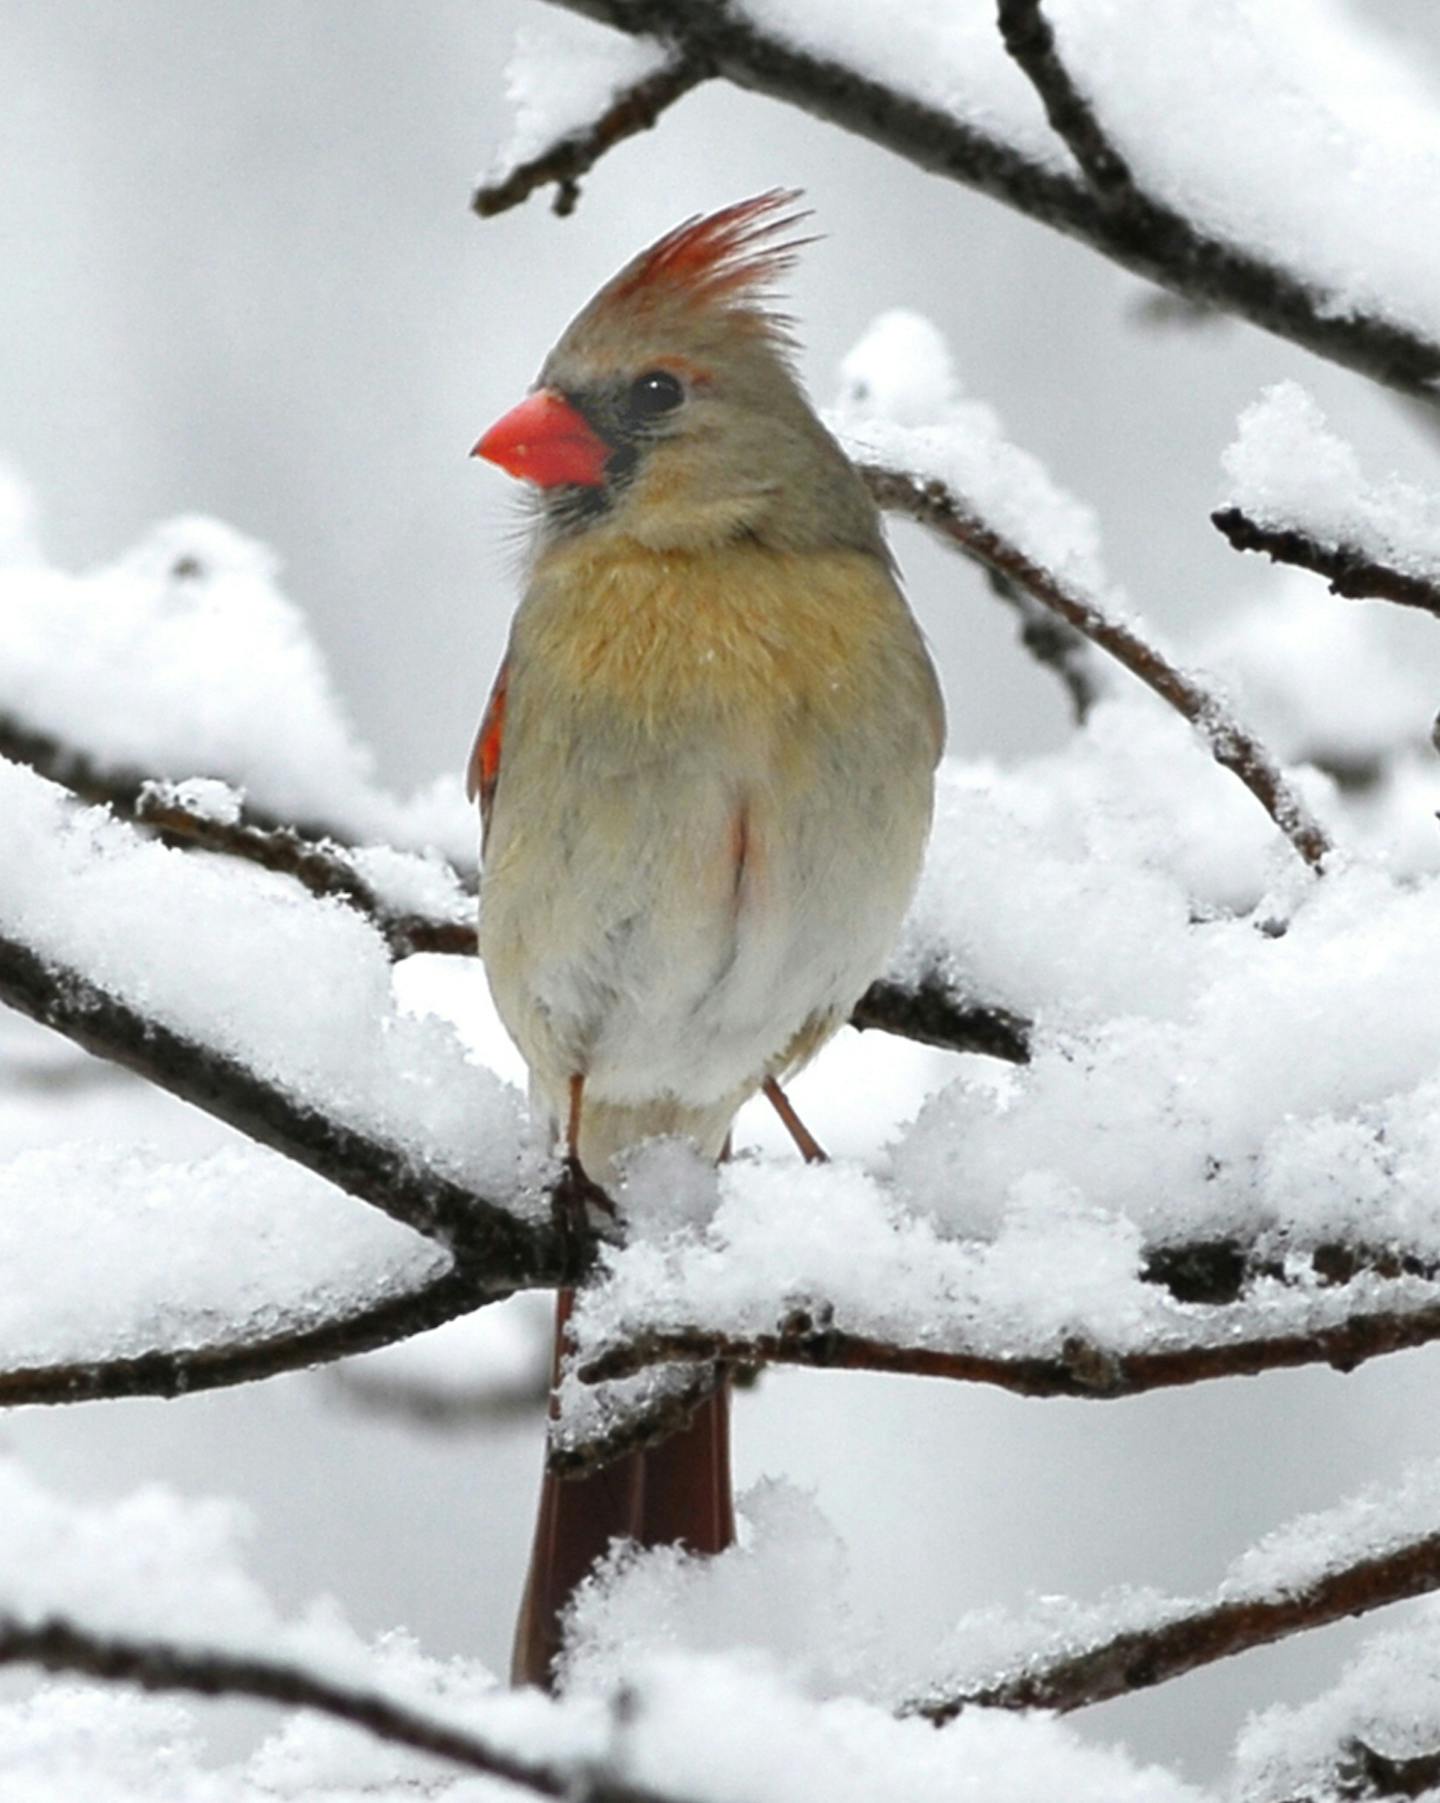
point(705, 772)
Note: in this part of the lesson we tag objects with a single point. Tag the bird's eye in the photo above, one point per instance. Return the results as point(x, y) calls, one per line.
point(654, 393)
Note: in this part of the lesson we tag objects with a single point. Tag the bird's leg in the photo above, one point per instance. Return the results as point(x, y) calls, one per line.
point(809, 1147)
point(576, 1192)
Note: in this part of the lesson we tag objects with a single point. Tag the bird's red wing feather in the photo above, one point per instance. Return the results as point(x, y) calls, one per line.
point(484, 769)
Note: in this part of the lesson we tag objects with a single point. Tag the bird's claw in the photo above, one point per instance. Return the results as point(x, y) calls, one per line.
point(573, 1197)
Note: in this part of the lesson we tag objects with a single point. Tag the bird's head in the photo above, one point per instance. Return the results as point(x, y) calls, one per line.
point(669, 411)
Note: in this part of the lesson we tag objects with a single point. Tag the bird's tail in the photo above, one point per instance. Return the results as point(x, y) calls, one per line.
point(676, 1493)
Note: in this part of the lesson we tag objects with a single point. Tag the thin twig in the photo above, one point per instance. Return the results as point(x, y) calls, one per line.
point(1081, 1368)
point(1030, 40)
point(182, 1371)
point(58, 1645)
point(571, 1454)
point(1138, 1658)
point(443, 1410)
point(1231, 745)
point(1053, 644)
point(929, 1012)
point(634, 109)
point(1362, 1771)
point(1153, 241)
point(1349, 570)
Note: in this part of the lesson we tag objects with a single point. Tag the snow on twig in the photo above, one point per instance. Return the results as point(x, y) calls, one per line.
point(1082, 1368)
point(481, 1233)
point(1187, 1637)
point(185, 659)
point(1296, 491)
point(167, 1371)
point(902, 97)
point(566, 151)
point(1347, 569)
point(436, 915)
point(933, 504)
point(57, 1645)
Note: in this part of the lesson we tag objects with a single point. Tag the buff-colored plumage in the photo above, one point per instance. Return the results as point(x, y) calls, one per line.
point(707, 769)
point(720, 727)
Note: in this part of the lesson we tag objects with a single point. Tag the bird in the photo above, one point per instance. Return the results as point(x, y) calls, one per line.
point(705, 773)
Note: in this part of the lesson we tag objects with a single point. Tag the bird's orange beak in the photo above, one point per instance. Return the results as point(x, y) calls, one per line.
point(548, 442)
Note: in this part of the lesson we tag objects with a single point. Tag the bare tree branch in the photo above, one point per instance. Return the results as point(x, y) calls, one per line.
point(1080, 1369)
point(1139, 1658)
point(1150, 239)
point(58, 1645)
point(443, 1410)
point(182, 1371)
point(1058, 647)
point(930, 1012)
point(634, 109)
point(1348, 570)
point(1231, 745)
point(489, 1243)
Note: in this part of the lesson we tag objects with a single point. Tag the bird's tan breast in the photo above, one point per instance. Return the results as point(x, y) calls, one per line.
point(736, 635)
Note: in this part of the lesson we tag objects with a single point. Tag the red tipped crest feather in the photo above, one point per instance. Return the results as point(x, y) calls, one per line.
point(711, 259)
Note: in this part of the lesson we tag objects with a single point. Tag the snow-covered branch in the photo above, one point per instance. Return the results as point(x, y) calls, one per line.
point(1029, 38)
point(913, 96)
point(1347, 569)
point(562, 158)
point(1082, 1367)
point(1186, 1638)
point(1295, 490)
point(184, 1370)
point(57, 1645)
point(417, 903)
point(949, 515)
point(482, 1235)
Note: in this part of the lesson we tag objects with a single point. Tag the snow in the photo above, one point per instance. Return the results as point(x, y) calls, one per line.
point(1388, 1698)
point(154, 1565)
point(1287, 468)
point(900, 405)
point(109, 1251)
point(560, 77)
point(497, 1356)
point(1291, 131)
point(186, 659)
point(297, 989)
point(1330, 681)
point(944, 56)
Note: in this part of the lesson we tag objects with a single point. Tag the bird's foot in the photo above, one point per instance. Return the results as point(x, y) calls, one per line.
point(574, 1195)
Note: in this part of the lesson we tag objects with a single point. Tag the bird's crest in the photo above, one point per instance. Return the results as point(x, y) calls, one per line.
point(730, 260)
